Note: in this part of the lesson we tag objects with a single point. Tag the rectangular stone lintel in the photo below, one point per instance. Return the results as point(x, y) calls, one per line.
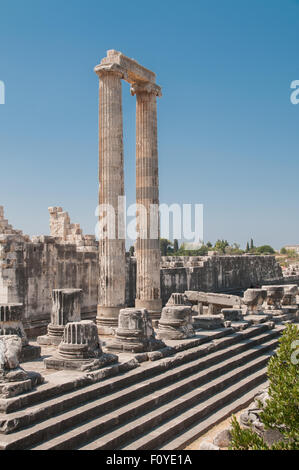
point(135, 71)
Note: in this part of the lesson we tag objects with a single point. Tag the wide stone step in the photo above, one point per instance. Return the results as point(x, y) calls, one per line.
point(180, 431)
point(144, 432)
point(155, 400)
point(47, 408)
point(48, 391)
point(149, 379)
point(193, 432)
point(65, 420)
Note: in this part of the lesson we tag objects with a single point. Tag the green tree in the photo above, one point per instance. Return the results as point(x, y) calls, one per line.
point(247, 248)
point(251, 244)
point(175, 246)
point(221, 245)
point(209, 245)
point(283, 251)
point(265, 250)
point(282, 409)
point(132, 250)
point(165, 246)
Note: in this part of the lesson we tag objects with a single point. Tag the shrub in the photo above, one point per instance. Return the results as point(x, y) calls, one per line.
point(282, 409)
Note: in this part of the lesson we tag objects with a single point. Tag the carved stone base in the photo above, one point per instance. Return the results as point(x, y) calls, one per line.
point(176, 323)
point(80, 349)
point(107, 320)
point(153, 307)
point(133, 342)
point(54, 336)
point(135, 332)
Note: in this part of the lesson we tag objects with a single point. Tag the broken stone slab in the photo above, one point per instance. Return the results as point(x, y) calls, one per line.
point(292, 309)
point(13, 379)
point(274, 296)
point(254, 299)
point(290, 293)
point(257, 319)
point(175, 322)
point(281, 315)
point(11, 316)
point(208, 322)
point(80, 349)
point(178, 299)
point(135, 332)
point(240, 325)
point(66, 308)
point(232, 314)
point(218, 300)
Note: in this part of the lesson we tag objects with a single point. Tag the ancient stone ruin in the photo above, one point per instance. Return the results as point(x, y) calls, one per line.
point(66, 308)
point(14, 380)
point(80, 349)
point(135, 332)
point(134, 353)
point(112, 69)
point(176, 319)
point(11, 323)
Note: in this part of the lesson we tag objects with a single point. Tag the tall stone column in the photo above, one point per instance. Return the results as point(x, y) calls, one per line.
point(148, 293)
point(111, 185)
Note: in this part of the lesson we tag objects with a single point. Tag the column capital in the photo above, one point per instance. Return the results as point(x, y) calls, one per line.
point(146, 87)
point(113, 69)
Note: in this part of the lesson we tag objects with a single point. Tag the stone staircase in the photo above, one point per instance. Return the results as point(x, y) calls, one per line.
point(164, 404)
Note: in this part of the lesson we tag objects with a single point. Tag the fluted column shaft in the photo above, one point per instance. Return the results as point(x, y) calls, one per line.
point(148, 293)
point(111, 185)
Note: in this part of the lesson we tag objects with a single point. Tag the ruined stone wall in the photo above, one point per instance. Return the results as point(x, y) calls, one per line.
point(30, 269)
point(65, 232)
point(216, 273)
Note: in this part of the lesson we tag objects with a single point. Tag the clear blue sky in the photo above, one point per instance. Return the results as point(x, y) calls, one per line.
point(228, 133)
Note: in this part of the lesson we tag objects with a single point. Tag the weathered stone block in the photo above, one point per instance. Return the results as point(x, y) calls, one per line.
point(13, 379)
point(254, 299)
point(290, 293)
point(66, 307)
point(80, 349)
point(11, 316)
point(208, 322)
point(135, 332)
point(178, 299)
point(274, 296)
point(176, 322)
point(232, 314)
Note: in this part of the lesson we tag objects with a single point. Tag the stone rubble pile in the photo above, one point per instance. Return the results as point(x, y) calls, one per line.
point(14, 380)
